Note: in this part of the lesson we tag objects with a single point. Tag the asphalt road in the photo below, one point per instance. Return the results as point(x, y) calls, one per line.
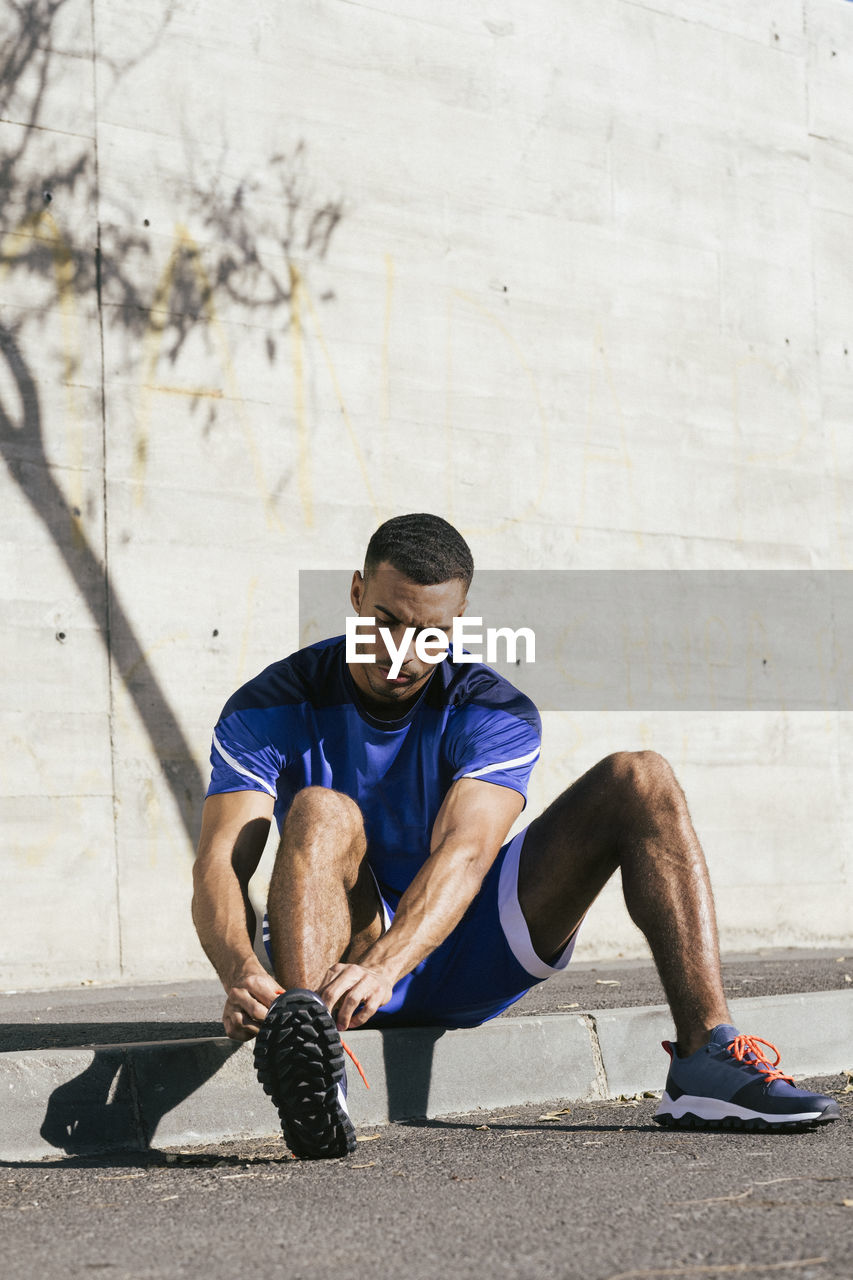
point(595, 1192)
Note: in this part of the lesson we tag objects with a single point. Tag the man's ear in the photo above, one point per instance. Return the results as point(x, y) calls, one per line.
point(356, 591)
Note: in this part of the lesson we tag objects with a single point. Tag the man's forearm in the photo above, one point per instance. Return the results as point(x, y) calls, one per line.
point(428, 911)
point(224, 922)
point(471, 826)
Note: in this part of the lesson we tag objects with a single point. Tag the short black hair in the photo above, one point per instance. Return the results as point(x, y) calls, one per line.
point(425, 548)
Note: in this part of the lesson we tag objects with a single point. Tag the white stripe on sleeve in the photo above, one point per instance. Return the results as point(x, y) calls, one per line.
point(247, 773)
point(503, 764)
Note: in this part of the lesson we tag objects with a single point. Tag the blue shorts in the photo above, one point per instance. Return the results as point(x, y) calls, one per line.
point(484, 966)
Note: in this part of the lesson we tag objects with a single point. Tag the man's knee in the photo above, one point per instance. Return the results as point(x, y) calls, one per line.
point(642, 775)
point(315, 809)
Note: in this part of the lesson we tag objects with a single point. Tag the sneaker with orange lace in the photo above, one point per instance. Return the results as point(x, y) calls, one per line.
point(299, 1060)
point(730, 1083)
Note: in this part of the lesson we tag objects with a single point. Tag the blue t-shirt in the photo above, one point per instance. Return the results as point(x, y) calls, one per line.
point(301, 723)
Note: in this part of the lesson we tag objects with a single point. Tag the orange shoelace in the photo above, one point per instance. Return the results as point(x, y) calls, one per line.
point(742, 1046)
point(357, 1064)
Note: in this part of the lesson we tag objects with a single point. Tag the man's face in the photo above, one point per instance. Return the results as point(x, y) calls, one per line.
point(397, 603)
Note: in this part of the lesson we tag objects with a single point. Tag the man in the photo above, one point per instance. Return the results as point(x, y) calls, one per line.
point(396, 898)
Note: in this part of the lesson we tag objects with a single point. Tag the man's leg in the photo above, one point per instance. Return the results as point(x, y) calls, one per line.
point(629, 812)
point(323, 904)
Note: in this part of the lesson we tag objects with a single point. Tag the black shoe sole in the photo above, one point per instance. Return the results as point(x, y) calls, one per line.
point(758, 1124)
point(299, 1060)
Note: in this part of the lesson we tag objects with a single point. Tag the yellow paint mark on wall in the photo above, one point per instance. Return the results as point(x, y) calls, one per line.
point(195, 393)
point(297, 346)
point(186, 250)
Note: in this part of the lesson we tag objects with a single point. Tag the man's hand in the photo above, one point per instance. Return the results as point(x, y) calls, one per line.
point(348, 986)
point(249, 998)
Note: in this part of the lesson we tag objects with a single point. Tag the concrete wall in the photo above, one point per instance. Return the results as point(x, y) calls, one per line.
point(578, 277)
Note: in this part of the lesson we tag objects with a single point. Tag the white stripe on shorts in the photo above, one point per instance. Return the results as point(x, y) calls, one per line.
point(513, 922)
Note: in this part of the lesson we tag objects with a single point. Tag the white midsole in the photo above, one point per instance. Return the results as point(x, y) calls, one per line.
point(342, 1101)
point(717, 1109)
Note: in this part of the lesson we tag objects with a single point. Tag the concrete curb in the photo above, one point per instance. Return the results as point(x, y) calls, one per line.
point(191, 1092)
point(814, 1034)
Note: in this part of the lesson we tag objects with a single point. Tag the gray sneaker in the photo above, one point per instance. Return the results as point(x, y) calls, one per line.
point(730, 1084)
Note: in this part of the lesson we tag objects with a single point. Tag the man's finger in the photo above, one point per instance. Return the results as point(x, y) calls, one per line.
point(240, 1029)
point(247, 1004)
point(334, 991)
point(343, 1011)
point(243, 1015)
point(347, 1008)
point(265, 990)
point(367, 1010)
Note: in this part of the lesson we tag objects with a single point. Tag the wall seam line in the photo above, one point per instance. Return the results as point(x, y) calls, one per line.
point(104, 491)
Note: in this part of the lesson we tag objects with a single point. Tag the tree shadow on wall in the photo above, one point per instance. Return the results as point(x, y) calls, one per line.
point(253, 238)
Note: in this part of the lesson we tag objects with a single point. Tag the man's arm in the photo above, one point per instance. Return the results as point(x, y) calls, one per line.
point(471, 826)
point(234, 830)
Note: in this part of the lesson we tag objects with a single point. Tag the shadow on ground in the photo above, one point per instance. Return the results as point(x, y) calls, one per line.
point(117, 1102)
point(23, 1037)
